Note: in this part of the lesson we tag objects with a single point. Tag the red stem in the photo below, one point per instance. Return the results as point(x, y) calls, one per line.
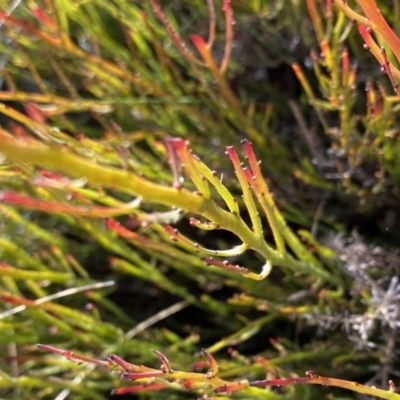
point(381, 26)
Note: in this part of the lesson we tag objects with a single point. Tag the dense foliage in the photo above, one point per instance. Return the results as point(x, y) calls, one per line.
point(212, 186)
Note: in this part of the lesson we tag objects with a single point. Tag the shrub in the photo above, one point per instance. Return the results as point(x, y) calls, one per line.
point(118, 239)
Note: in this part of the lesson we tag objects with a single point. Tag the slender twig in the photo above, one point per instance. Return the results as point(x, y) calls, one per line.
point(229, 21)
point(58, 295)
point(154, 319)
point(174, 35)
point(212, 23)
point(308, 134)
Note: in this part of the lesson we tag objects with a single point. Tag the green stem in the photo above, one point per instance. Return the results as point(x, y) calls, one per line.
point(65, 161)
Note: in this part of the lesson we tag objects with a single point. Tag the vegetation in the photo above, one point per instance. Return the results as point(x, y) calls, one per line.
point(129, 240)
